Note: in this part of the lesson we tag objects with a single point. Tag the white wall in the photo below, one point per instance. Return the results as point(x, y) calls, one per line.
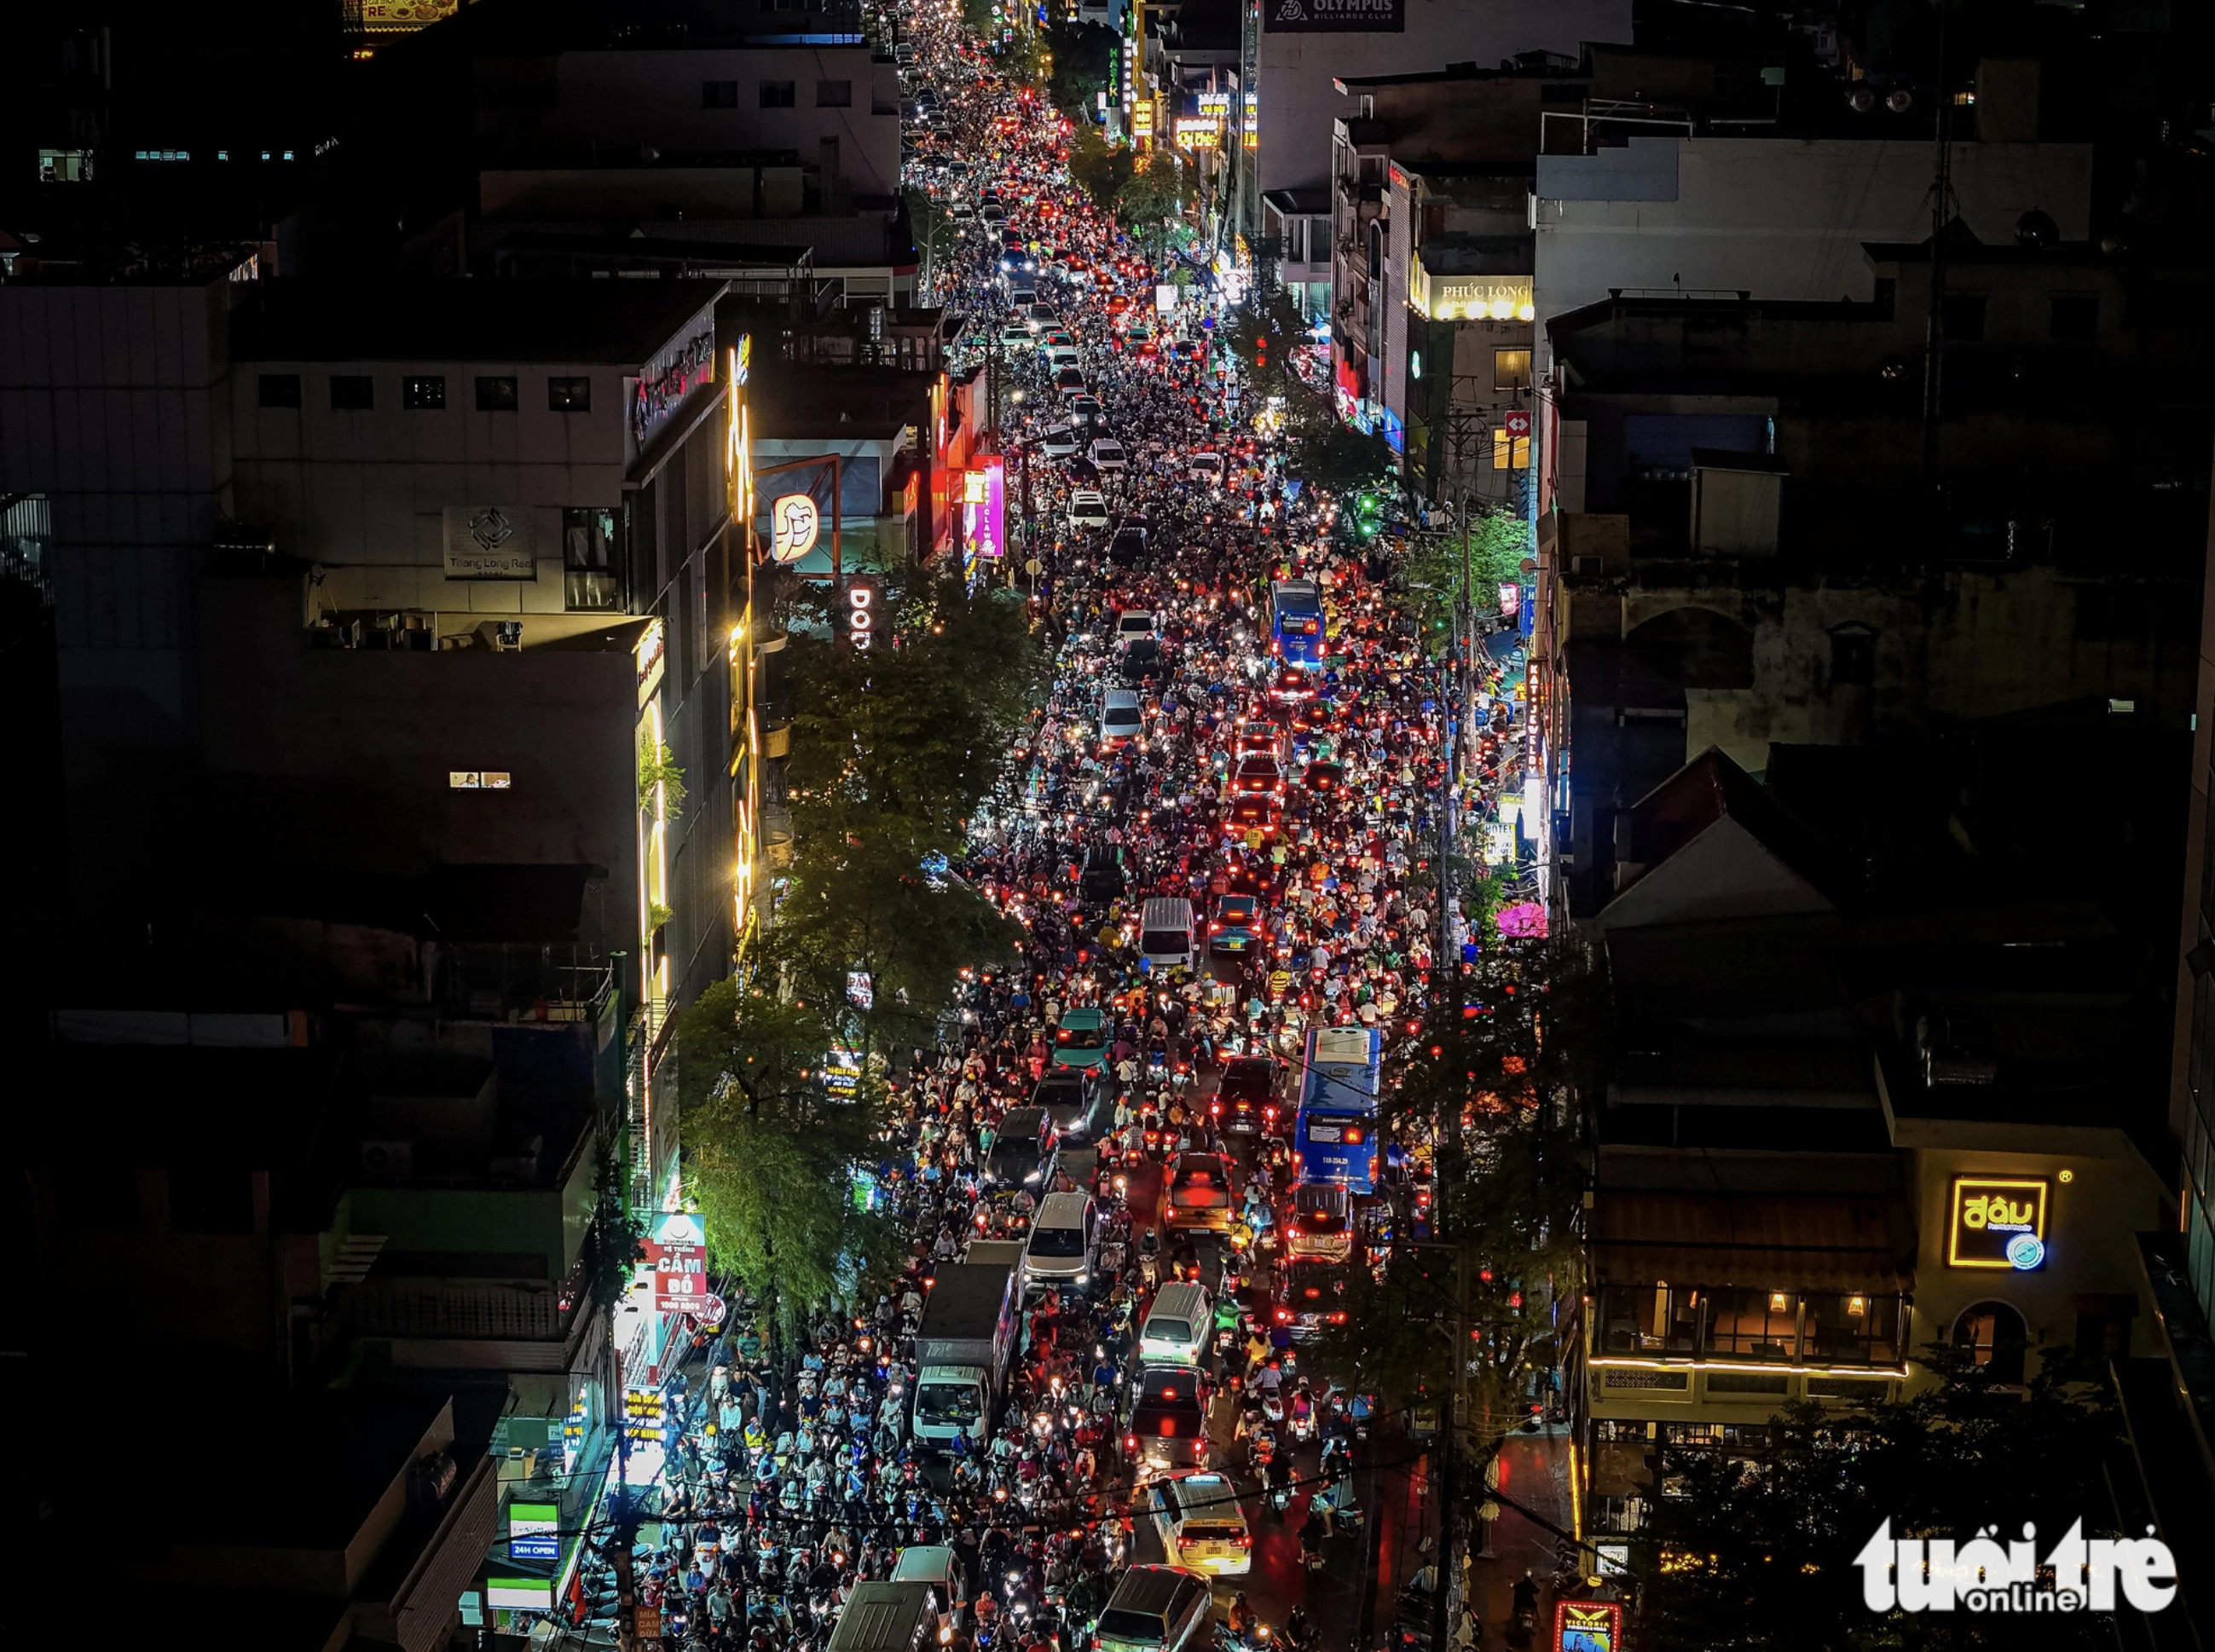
point(1296, 70)
point(1779, 218)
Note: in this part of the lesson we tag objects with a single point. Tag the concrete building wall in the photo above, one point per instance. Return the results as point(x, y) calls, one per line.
point(1296, 70)
point(612, 100)
point(1961, 646)
point(1779, 218)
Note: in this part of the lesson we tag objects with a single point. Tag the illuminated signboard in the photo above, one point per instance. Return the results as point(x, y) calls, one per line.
point(1253, 131)
point(1142, 117)
point(858, 597)
point(677, 370)
point(985, 508)
point(520, 1593)
point(679, 1254)
point(1202, 134)
point(403, 17)
point(795, 524)
point(534, 1530)
point(1587, 1625)
point(1471, 297)
point(1997, 1221)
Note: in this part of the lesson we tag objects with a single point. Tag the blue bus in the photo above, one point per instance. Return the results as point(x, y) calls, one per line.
point(1295, 622)
point(1336, 1134)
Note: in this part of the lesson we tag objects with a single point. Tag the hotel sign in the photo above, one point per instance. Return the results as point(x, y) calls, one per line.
point(1997, 1222)
point(1335, 16)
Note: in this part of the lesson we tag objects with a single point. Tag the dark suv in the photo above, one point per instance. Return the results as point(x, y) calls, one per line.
point(1248, 1094)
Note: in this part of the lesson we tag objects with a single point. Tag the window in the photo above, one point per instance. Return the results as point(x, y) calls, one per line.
point(719, 95)
point(1962, 316)
point(778, 95)
point(353, 393)
point(496, 395)
point(589, 539)
point(425, 393)
point(1994, 1335)
point(1853, 657)
point(2075, 317)
point(568, 395)
point(834, 93)
point(280, 390)
point(1510, 452)
point(67, 167)
point(1511, 369)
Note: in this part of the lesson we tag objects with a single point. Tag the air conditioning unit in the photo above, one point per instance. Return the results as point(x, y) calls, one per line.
point(388, 1158)
point(1592, 565)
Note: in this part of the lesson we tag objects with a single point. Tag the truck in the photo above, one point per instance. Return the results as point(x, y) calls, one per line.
point(963, 1347)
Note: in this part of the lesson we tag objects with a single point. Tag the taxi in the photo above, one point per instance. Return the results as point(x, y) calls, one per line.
point(1081, 1040)
point(1201, 1523)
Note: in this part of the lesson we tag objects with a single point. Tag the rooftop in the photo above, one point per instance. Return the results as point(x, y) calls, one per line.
point(620, 323)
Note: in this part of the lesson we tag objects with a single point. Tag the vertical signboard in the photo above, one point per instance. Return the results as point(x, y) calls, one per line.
point(680, 1264)
point(985, 507)
point(860, 596)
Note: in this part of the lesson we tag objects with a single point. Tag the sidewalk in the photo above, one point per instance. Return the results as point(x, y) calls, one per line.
point(1534, 1469)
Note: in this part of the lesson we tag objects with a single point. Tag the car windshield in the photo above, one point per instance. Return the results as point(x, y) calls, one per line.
point(1084, 1038)
point(1058, 1242)
point(1119, 1624)
point(947, 1405)
point(1322, 1209)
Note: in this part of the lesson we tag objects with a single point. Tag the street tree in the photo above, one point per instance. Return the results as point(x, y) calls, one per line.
point(1153, 194)
point(770, 1153)
point(1765, 1535)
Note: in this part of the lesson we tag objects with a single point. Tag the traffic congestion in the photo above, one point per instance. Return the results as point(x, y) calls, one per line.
point(1138, 1169)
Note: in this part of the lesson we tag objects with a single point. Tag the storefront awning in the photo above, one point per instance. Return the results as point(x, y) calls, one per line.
point(1779, 1241)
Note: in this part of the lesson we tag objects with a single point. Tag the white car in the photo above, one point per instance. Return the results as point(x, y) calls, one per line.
point(1059, 356)
point(1121, 716)
point(1108, 453)
point(1059, 443)
point(1206, 468)
point(1133, 623)
point(1201, 1523)
point(1088, 508)
point(1042, 318)
point(1013, 333)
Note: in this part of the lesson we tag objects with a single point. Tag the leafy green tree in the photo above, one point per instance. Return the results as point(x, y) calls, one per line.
point(1152, 195)
point(769, 1153)
point(1745, 1543)
point(1497, 542)
point(1490, 1088)
point(1084, 57)
point(1100, 169)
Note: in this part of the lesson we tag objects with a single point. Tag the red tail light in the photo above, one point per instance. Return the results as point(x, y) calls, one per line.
point(1284, 1315)
point(1354, 1136)
point(1245, 1539)
point(1338, 1318)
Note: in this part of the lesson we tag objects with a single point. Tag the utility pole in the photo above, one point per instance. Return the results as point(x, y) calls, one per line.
point(1933, 324)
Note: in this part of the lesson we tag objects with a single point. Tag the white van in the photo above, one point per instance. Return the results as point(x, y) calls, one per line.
point(1177, 1326)
point(1168, 936)
point(1063, 1234)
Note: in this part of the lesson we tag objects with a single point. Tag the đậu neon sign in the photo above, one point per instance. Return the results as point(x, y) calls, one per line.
point(1997, 1221)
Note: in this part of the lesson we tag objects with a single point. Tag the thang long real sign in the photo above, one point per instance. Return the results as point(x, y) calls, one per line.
point(1335, 16)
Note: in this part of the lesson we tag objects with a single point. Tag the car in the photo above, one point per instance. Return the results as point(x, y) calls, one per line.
point(1199, 1194)
point(1059, 356)
point(1258, 775)
point(1142, 663)
point(1059, 442)
point(1315, 716)
point(1257, 734)
point(1106, 876)
point(1069, 382)
point(1247, 1094)
point(1231, 928)
point(1127, 549)
point(1197, 1515)
point(1323, 777)
point(1139, 334)
point(1079, 1100)
point(1085, 409)
point(1319, 1227)
point(1081, 1040)
point(1122, 718)
point(1015, 333)
point(1133, 623)
point(1206, 468)
point(1023, 1149)
point(1041, 318)
point(1155, 1609)
point(1108, 453)
point(1087, 509)
point(1309, 1296)
point(1291, 686)
point(1253, 813)
point(1082, 469)
point(1167, 1422)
